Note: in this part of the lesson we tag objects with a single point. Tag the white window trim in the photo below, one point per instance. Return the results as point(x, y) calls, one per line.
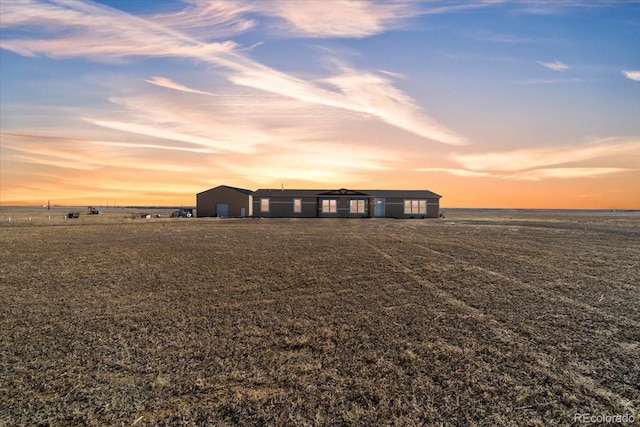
point(330, 202)
point(416, 207)
point(262, 203)
point(359, 206)
point(297, 205)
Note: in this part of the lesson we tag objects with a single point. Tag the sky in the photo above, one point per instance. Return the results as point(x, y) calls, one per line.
point(489, 103)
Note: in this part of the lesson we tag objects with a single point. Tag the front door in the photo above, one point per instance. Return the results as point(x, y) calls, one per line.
point(378, 207)
point(222, 209)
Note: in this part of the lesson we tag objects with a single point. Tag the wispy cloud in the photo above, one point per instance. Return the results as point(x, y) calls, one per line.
point(207, 20)
point(555, 66)
point(455, 171)
point(170, 84)
point(284, 140)
point(393, 74)
point(545, 7)
point(219, 123)
point(536, 164)
point(75, 28)
point(340, 18)
point(167, 134)
point(375, 95)
point(305, 18)
point(351, 18)
point(139, 146)
point(566, 173)
point(89, 155)
point(534, 174)
point(317, 161)
point(200, 137)
point(354, 90)
point(102, 33)
point(633, 75)
point(537, 158)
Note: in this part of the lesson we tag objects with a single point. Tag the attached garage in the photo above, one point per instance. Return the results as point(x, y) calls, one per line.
point(225, 201)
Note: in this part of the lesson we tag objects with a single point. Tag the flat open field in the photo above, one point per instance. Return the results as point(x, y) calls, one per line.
point(481, 318)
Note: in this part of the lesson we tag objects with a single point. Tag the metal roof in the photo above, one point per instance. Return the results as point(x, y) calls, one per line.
point(240, 190)
point(417, 194)
point(279, 192)
point(402, 193)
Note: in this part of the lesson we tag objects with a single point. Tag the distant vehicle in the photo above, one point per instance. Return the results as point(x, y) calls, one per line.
point(182, 213)
point(94, 211)
point(142, 215)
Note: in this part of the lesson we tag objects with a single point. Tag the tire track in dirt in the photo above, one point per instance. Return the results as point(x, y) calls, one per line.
point(603, 246)
point(615, 301)
point(544, 292)
point(587, 314)
point(447, 297)
point(509, 336)
point(572, 272)
point(534, 289)
point(541, 291)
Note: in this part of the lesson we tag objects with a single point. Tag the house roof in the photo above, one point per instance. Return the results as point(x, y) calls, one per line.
point(279, 192)
point(416, 194)
point(403, 193)
point(274, 192)
point(240, 190)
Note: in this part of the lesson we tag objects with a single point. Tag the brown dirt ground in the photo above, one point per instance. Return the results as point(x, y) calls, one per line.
point(481, 318)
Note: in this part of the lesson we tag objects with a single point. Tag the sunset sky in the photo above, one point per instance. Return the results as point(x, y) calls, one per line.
point(524, 104)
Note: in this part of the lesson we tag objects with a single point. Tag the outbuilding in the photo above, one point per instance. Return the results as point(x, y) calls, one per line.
point(225, 201)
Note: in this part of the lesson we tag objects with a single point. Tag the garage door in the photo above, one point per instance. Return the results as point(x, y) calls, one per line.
point(222, 209)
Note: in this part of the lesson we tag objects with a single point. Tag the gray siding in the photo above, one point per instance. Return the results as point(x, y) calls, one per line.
point(282, 206)
point(343, 207)
point(282, 202)
point(394, 208)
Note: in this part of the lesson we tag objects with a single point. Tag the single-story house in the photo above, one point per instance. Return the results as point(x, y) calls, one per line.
point(343, 203)
point(225, 201)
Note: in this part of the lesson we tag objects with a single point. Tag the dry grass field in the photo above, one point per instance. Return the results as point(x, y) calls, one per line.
point(481, 318)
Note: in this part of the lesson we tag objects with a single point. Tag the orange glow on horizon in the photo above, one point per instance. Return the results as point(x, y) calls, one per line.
point(456, 192)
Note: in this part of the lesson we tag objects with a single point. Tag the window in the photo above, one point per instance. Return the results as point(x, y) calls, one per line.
point(356, 206)
point(415, 206)
point(264, 205)
point(297, 205)
point(330, 206)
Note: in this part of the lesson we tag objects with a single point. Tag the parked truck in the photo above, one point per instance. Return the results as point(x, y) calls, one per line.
point(182, 213)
